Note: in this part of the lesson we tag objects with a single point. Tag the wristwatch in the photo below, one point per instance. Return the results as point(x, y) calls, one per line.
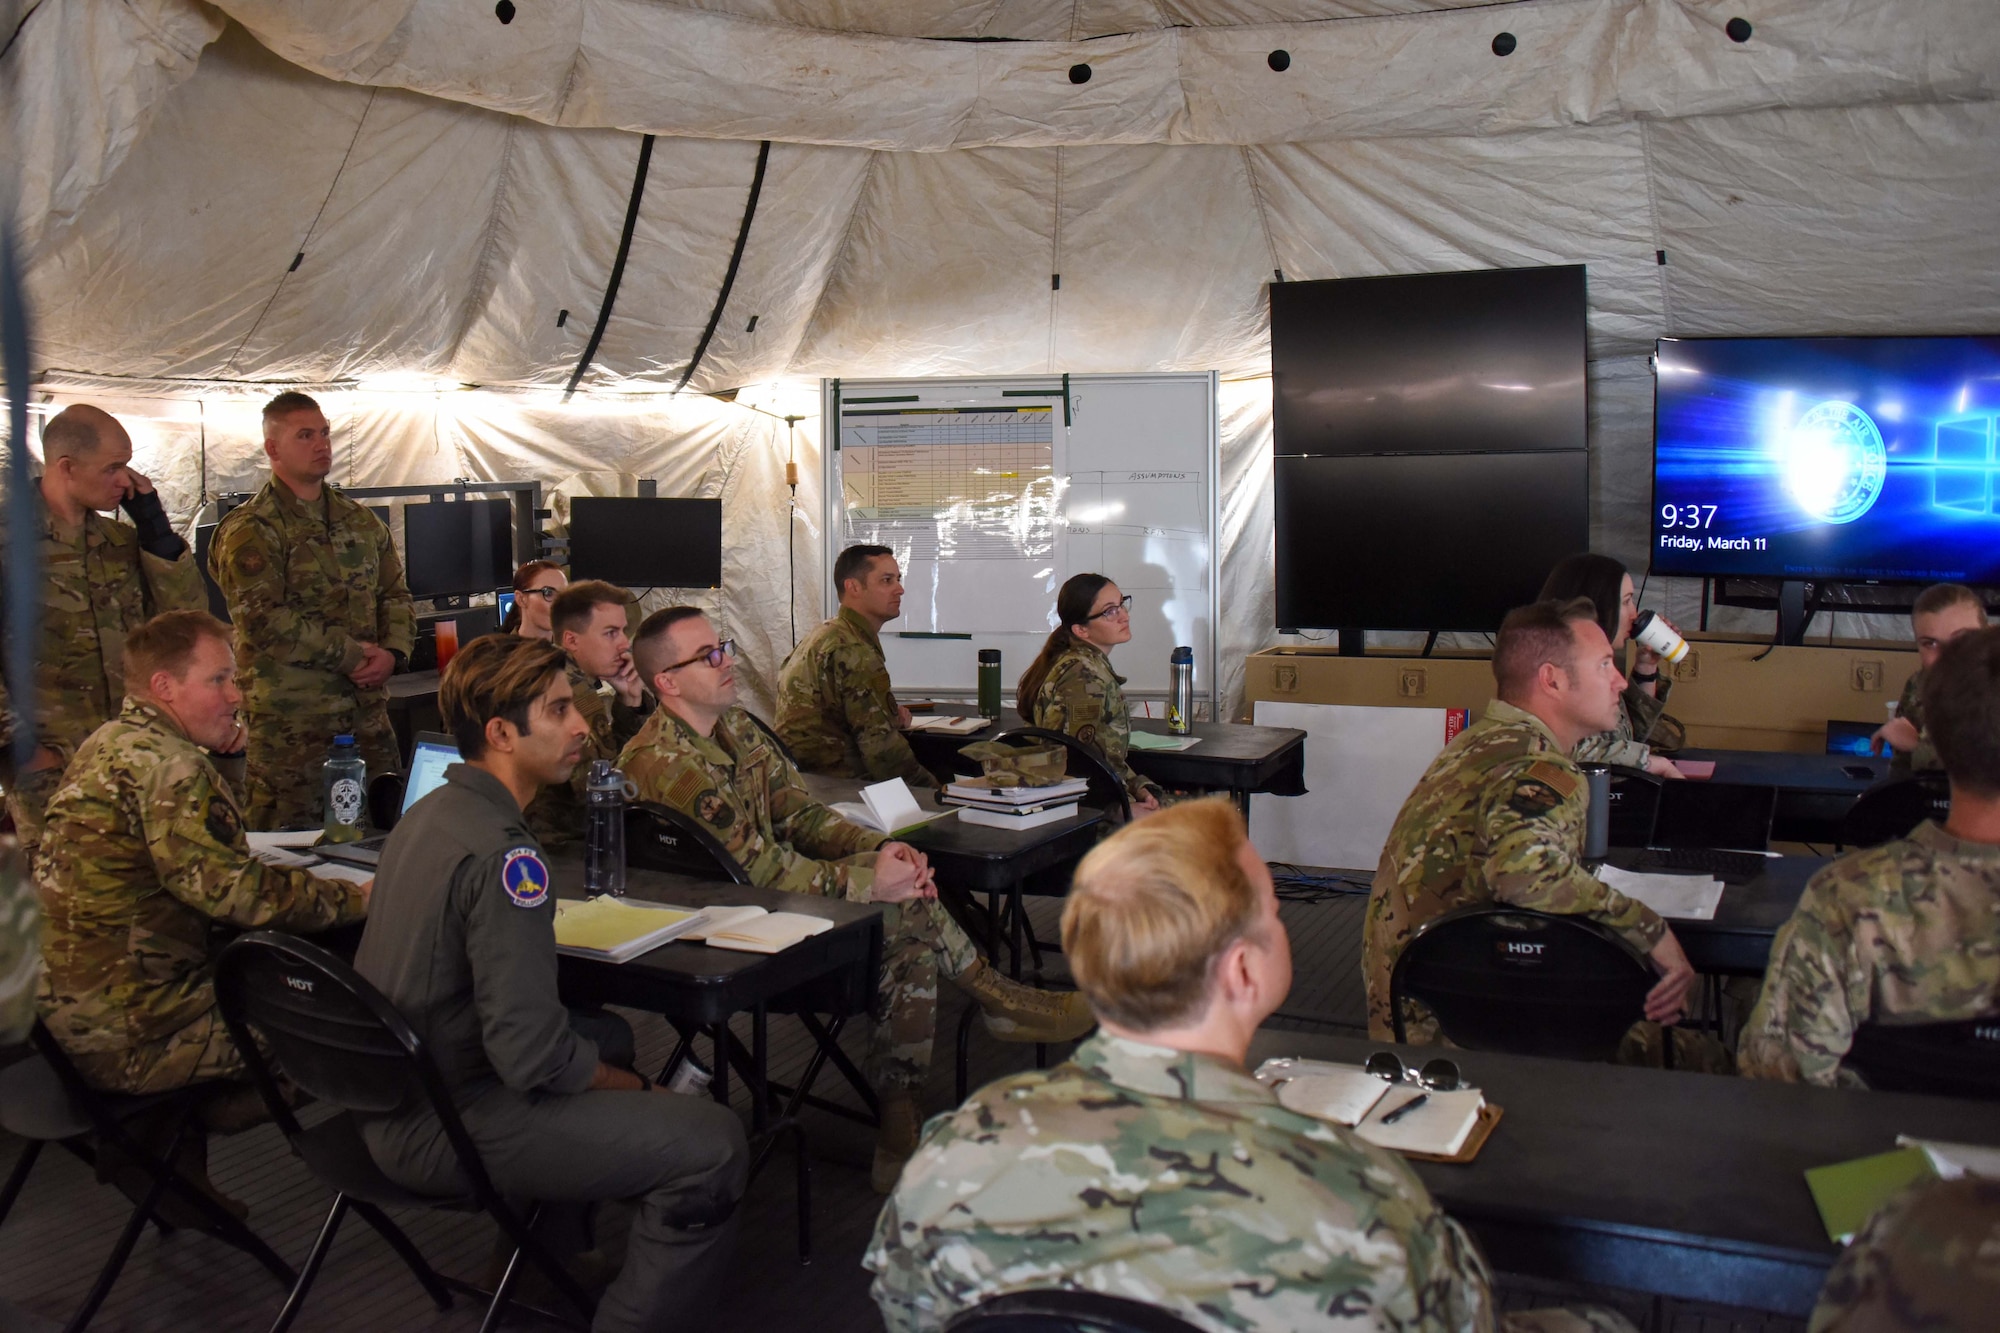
point(1644, 677)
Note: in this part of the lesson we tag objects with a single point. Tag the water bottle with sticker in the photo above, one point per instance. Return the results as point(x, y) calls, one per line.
point(345, 792)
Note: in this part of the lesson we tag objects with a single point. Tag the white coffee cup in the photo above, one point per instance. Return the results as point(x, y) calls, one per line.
point(1658, 635)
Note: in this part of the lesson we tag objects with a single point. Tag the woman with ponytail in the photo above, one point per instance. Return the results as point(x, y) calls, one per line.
point(1070, 686)
point(537, 584)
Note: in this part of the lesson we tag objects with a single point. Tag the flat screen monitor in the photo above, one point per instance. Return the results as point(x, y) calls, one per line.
point(1481, 362)
point(1841, 459)
point(1444, 542)
point(646, 542)
point(458, 546)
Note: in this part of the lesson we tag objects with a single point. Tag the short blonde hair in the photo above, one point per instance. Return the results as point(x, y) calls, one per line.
point(1151, 909)
point(167, 643)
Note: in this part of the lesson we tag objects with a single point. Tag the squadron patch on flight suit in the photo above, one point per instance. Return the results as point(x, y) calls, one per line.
point(525, 878)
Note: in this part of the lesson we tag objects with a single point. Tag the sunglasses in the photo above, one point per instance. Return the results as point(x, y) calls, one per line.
point(708, 656)
point(1437, 1075)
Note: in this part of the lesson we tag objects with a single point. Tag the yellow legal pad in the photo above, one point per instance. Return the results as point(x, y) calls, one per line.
point(618, 929)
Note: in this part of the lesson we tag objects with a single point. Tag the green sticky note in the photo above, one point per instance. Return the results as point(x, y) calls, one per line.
point(1848, 1193)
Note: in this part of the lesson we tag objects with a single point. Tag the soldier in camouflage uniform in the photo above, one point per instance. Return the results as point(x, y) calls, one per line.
point(836, 710)
point(322, 614)
point(1908, 932)
point(588, 623)
point(101, 580)
point(1927, 1262)
point(703, 756)
point(1942, 612)
point(1499, 815)
point(145, 850)
point(1150, 1165)
point(1070, 686)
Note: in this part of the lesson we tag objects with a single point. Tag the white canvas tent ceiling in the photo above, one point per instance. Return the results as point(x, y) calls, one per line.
point(333, 191)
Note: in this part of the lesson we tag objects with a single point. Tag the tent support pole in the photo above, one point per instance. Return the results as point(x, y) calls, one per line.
point(735, 262)
point(617, 265)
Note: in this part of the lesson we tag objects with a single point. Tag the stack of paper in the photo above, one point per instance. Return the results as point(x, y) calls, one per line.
point(283, 849)
point(949, 724)
point(618, 929)
point(1014, 807)
point(1952, 1160)
point(1153, 740)
point(1676, 897)
point(754, 930)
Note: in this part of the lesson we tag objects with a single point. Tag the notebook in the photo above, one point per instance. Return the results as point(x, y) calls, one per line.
point(1350, 1096)
point(618, 929)
point(1152, 740)
point(754, 930)
point(949, 724)
point(1848, 1193)
point(887, 807)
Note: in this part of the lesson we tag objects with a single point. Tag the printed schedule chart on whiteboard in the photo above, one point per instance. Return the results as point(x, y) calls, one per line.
point(990, 505)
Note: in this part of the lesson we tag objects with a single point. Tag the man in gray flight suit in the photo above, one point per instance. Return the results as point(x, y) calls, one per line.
point(461, 939)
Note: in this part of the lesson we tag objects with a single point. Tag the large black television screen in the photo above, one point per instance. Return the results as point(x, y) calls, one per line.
point(1445, 542)
point(458, 546)
point(1482, 362)
point(645, 542)
point(1845, 459)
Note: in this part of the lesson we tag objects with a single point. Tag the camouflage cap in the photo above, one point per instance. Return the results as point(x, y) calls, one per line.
point(1034, 765)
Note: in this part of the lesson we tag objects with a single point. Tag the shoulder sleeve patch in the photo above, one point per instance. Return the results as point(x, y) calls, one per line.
point(1533, 798)
point(524, 877)
point(222, 823)
point(1561, 780)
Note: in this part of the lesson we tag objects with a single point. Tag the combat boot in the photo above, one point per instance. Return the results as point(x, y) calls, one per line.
point(1014, 1012)
point(895, 1140)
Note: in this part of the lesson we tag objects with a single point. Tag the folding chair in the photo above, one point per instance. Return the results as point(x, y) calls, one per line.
point(1065, 1311)
point(1955, 1059)
point(44, 1099)
point(335, 1036)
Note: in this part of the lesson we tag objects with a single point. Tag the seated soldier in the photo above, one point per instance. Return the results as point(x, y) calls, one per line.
point(1151, 1165)
point(144, 852)
point(703, 756)
point(1908, 932)
point(836, 710)
point(463, 943)
point(587, 621)
point(1927, 1262)
point(1942, 612)
point(1070, 686)
point(1498, 817)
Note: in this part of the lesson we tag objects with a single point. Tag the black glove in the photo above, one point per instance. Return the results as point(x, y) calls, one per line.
point(156, 533)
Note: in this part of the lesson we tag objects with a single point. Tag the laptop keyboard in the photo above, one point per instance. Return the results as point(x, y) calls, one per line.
point(1730, 867)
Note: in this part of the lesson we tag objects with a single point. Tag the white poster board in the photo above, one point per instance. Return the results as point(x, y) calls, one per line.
point(1361, 763)
point(992, 492)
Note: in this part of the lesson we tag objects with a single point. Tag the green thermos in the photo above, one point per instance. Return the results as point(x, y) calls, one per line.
point(989, 682)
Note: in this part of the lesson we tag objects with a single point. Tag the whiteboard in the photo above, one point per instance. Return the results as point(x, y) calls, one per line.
point(993, 491)
point(1361, 765)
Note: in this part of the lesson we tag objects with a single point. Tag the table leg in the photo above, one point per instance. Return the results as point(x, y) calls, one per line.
point(1241, 795)
point(760, 1057)
point(1015, 915)
point(719, 1036)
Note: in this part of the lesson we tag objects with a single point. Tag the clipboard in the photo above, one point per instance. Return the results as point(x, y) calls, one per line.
point(1482, 1129)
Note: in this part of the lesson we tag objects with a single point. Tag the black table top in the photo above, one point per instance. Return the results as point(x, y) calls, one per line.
point(1646, 1152)
point(1230, 754)
point(716, 982)
point(978, 857)
point(1737, 940)
point(1790, 771)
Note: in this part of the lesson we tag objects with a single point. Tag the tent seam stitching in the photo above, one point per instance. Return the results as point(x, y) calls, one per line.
point(839, 255)
point(1263, 211)
point(478, 291)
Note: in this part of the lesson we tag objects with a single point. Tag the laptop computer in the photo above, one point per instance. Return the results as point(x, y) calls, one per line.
point(1851, 738)
point(431, 755)
point(1717, 828)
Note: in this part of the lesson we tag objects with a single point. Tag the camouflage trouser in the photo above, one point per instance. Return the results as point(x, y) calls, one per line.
point(28, 801)
point(201, 1052)
point(284, 767)
point(920, 943)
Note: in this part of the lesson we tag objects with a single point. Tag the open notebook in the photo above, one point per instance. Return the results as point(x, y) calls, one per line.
point(1350, 1096)
point(618, 929)
point(754, 930)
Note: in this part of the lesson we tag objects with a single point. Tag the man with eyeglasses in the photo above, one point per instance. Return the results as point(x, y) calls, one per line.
point(587, 621)
point(1151, 1165)
point(836, 710)
point(704, 756)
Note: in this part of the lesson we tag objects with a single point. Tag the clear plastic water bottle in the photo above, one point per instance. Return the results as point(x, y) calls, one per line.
point(606, 791)
point(345, 792)
point(1180, 691)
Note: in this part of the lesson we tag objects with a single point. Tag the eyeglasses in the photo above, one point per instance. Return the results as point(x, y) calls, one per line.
point(1437, 1075)
point(1122, 608)
point(709, 656)
point(546, 594)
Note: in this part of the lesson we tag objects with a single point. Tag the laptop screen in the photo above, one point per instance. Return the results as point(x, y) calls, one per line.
point(1850, 737)
point(433, 754)
point(1725, 815)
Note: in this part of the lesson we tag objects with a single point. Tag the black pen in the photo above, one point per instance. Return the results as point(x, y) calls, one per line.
point(1406, 1108)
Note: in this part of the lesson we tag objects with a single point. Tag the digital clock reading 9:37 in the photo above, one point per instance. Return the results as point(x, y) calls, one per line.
point(1687, 516)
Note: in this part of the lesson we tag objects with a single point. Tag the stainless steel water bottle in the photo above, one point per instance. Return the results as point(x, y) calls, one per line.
point(1180, 691)
point(989, 682)
point(1597, 816)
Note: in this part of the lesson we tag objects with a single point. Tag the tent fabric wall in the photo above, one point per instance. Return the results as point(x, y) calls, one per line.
point(360, 198)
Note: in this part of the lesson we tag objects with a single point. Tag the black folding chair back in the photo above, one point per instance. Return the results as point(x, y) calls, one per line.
point(1106, 791)
point(659, 837)
point(329, 1031)
point(1960, 1059)
point(1891, 808)
point(1059, 1311)
point(1502, 978)
point(44, 1099)
point(385, 800)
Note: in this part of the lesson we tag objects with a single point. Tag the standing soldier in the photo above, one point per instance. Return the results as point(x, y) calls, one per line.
point(836, 711)
point(323, 619)
point(101, 580)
